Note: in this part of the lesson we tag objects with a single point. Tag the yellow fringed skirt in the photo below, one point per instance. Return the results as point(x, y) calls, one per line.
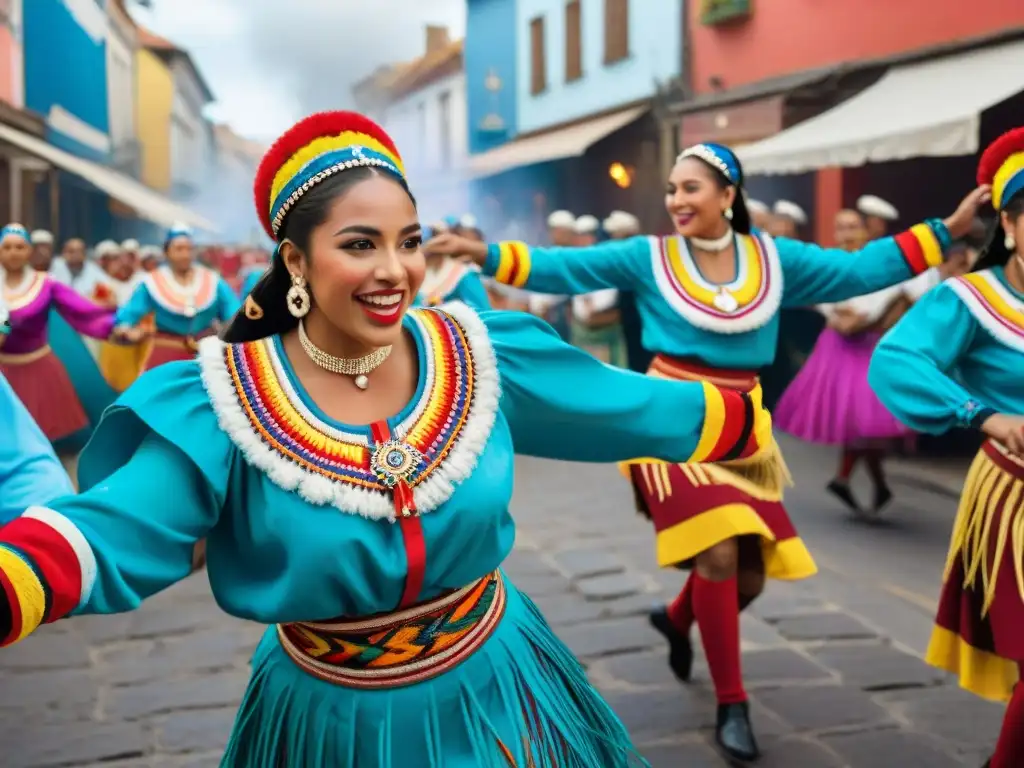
point(979, 626)
point(696, 506)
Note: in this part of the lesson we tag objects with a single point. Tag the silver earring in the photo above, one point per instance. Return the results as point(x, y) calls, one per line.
point(1010, 243)
point(298, 297)
point(728, 213)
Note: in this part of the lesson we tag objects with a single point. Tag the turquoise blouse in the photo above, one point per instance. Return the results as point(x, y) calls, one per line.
point(160, 294)
point(956, 356)
point(456, 282)
point(250, 282)
point(299, 524)
point(30, 472)
point(733, 325)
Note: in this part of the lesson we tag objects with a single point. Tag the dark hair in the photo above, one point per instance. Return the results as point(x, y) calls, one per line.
point(265, 311)
point(740, 215)
point(995, 253)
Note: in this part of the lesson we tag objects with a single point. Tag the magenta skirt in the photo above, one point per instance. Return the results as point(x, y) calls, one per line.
point(830, 402)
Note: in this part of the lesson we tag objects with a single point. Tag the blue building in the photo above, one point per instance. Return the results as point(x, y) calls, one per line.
point(574, 107)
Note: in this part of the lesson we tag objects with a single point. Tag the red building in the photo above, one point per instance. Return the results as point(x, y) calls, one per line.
point(756, 69)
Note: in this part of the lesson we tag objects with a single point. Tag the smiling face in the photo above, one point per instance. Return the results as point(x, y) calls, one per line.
point(696, 197)
point(15, 253)
point(364, 263)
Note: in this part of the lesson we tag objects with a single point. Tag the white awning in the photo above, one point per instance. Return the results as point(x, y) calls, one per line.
point(571, 141)
point(927, 109)
point(150, 205)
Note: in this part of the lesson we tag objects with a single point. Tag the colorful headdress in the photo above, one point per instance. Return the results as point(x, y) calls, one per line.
point(14, 230)
point(1002, 166)
point(312, 150)
point(718, 157)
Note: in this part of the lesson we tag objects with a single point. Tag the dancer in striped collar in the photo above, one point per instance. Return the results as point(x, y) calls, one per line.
point(351, 463)
point(710, 298)
point(957, 359)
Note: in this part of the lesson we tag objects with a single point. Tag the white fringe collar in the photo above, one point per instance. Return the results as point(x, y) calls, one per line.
point(369, 499)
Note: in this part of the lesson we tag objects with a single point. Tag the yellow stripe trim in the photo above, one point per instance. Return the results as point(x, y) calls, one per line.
point(992, 297)
point(505, 261)
point(982, 673)
point(714, 422)
point(930, 245)
point(31, 596)
point(320, 146)
point(522, 251)
point(748, 255)
point(1014, 164)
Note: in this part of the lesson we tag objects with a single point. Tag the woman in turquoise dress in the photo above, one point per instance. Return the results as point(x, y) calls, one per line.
point(709, 298)
point(956, 359)
point(350, 464)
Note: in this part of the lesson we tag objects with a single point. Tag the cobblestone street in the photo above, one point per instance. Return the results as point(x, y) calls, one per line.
point(832, 663)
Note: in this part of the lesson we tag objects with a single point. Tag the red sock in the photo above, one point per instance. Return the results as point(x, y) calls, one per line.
point(1010, 747)
point(680, 610)
point(716, 606)
point(847, 462)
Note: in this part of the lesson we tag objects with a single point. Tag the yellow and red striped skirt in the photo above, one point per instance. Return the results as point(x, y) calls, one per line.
point(979, 626)
point(695, 506)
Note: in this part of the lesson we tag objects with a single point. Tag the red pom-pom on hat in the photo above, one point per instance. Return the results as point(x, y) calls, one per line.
point(1010, 143)
point(298, 136)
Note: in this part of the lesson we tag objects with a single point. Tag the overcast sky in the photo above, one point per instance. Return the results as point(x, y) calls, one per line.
point(269, 62)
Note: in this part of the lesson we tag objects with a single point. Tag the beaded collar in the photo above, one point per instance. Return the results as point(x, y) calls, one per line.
point(25, 293)
point(993, 305)
point(180, 299)
point(260, 407)
point(745, 304)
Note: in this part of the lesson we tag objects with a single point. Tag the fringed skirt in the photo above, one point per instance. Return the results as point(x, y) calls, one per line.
point(475, 679)
point(41, 382)
point(696, 506)
point(979, 628)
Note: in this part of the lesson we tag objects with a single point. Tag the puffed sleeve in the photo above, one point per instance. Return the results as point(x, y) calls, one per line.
point(81, 314)
point(622, 264)
point(562, 403)
point(30, 472)
point(153, 479)
point(815, 275)
point(911, 367)
point(137, 307)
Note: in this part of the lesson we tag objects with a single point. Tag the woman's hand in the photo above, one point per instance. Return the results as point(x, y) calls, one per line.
point(959, 224)
point(126, 334)
point(1006, 430)
point(447, 244)
point(846, 321)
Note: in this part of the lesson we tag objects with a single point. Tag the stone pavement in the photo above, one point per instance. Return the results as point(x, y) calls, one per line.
point(158, 688)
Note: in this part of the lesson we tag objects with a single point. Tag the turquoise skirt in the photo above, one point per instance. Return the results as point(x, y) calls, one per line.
point(521, 700)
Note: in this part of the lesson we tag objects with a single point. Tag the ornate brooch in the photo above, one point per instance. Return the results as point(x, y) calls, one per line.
point(394, 462)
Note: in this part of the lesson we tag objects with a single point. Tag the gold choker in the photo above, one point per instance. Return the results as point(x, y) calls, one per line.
point(356, 367)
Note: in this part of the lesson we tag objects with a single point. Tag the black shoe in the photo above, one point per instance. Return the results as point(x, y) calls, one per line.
point(988, 763)
point(680, 651)
point(841, 490)
point(734, 734)
point(882, 497)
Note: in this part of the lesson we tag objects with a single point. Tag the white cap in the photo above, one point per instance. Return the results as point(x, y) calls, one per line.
point(790, 210)
point(871, 205)
point(41, 237)
point(130, 245)
point(756, 206)
point(620, 222)
point(106, 248)
point(468, 221)
point(151, 252)
point(561, 220)
point(587, 225)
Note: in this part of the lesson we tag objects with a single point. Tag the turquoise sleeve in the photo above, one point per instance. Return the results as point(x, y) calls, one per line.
point(227, 302)
point(622, 264)
point(142, 524)
point(471, 291)
point(137, 307)
point(815, 275)
point(562, 403)
point(30, 472)
point(911, 367)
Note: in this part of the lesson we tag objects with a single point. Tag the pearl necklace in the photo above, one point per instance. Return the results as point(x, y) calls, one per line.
point(713, 246)
point(357, 367)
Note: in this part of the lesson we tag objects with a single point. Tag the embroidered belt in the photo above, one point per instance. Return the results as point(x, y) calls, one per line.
point(401, 648)
point(174, 341)
point(676, 368)
point(25, 358)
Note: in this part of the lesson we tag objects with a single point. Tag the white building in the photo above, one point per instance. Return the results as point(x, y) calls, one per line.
point(424, 111)
point(122, 41)
point(227, 197)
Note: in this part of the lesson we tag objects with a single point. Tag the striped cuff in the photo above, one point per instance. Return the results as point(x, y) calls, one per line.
point(47, 571)
point(509, 262)
point(728, 431)
point(923, 245)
